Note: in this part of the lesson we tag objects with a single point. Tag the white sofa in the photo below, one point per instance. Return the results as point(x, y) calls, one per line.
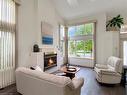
point(109, 73)
point(33, 82)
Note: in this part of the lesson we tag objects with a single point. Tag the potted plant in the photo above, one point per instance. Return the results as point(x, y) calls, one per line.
point(115, 23)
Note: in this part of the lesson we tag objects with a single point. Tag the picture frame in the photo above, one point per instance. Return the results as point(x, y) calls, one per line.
point(46, 33)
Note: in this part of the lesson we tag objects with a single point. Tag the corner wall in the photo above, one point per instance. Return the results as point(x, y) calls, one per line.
point(26, 30)
point(47, 13)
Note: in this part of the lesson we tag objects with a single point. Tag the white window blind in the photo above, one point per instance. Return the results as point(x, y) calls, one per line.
point(7, 42)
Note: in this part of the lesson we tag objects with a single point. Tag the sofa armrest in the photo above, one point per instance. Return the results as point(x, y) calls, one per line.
point(109, 72)
point(77, 83)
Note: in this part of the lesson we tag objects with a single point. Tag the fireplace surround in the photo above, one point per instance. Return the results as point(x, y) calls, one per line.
point(50, 60)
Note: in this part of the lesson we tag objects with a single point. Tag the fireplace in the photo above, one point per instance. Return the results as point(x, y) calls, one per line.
point(50, 60)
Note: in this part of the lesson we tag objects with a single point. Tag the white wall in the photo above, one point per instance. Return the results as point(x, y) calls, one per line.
point(31, 13)
point(47, 13)
point(26, 30)
point(104, 40)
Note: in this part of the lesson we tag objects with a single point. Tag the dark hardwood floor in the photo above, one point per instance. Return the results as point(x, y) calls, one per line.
point(10, 90)
point(90, 87)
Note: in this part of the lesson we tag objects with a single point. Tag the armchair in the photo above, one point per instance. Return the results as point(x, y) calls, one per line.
point(109, 73)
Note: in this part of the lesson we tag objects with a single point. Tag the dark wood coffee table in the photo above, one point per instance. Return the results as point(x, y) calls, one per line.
point(68, 73)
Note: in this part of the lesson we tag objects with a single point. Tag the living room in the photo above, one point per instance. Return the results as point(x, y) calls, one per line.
point(35, 18)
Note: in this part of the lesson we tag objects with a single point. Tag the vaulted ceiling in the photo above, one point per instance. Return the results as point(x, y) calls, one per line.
point(70, 9)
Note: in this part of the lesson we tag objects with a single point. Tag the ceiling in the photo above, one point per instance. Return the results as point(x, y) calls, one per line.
point(70, 9)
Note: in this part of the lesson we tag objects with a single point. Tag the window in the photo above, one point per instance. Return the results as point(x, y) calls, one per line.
point(80, 43)
point(7, 42)
point(7, 9)
point(7, 34)
point(61, 39)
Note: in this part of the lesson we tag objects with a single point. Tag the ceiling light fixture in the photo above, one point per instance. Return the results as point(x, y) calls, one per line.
point(72, 2)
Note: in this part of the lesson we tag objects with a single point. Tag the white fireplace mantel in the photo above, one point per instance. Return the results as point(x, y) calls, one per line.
point(37, 58)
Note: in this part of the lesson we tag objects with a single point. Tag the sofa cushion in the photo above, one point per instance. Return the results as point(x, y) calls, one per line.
point(114, 63)
point(38, 68)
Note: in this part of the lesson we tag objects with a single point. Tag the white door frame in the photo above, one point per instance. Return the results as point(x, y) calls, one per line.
point(121, 47)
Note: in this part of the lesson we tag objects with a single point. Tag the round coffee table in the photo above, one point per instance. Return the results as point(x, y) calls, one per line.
point(70, 74)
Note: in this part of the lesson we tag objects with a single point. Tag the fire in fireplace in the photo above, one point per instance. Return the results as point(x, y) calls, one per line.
point(50, 60)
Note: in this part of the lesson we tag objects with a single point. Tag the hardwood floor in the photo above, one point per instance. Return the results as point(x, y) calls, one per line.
point(90, 87)
point(10, 90)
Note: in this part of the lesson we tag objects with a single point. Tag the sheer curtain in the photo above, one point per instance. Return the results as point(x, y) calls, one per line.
point(7, 42)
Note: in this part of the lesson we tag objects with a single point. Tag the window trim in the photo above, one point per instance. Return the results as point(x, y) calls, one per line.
point(81, 37)
point(81, 57)
point(84, 22)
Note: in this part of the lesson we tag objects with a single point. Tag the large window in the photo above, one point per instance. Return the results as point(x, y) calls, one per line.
point(80, 43)
point(7, 34)
point(7, 42)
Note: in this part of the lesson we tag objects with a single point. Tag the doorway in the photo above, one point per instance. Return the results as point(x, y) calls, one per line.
point(123, 51)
